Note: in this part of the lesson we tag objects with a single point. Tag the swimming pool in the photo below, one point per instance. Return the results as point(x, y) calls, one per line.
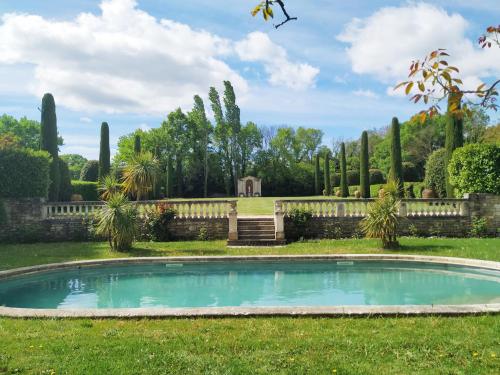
point(251, 283)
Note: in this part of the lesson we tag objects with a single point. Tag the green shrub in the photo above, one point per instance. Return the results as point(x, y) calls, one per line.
point(353, 178)
point(411, 172)
point(475, 168)
point(90, 171)
point(157, 222)
point(24, 173)
point(382, 218)
point(479, 227)
point(435, 172)
point(117, 220)
point(300, 218)
point(65, 188)
point(377, 177)
point(88, 190)
point(203, 234)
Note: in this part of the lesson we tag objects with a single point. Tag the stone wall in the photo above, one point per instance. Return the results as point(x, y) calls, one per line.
point(344, 227)
point(486, 206)
point(25, 223)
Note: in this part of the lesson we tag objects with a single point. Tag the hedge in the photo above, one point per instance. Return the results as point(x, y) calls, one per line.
point(475, 168)
point(377, 177)
point(87, 189)
point(411, 173)
point(24, 173)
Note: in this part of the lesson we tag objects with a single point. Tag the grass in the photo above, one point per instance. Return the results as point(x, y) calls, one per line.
point(417, 345)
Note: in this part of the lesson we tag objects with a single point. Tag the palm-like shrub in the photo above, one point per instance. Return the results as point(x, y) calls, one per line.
point(108, 187)
point(382, 218)
point(140, 175)
point(117, 221)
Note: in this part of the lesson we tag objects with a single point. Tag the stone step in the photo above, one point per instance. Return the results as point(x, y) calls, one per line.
point(256, 243)
point(256, 227)
point(263, 236)
point(255, 222)
point(253, 231)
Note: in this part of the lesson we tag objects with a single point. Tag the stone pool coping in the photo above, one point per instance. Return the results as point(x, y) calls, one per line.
point(354, 311)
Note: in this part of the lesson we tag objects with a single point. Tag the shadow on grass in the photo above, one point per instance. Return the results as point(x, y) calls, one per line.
point(424, 248)
point(145, 252)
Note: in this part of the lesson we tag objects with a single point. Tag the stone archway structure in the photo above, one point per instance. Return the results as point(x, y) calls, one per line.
point(250, 187)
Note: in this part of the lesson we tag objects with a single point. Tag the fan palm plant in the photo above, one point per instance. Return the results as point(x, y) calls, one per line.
point(109, 186)
point(117, 221)
point(382, 218)
point(140, 175)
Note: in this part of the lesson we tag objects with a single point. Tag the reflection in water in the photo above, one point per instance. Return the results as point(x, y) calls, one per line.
point(308, 283)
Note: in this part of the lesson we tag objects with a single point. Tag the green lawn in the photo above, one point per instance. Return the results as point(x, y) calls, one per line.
point(258, 205)
point(417, 345)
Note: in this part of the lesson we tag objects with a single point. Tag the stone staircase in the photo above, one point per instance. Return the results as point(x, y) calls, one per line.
point(256, 231)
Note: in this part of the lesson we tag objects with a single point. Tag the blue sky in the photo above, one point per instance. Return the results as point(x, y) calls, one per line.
point(131, 62)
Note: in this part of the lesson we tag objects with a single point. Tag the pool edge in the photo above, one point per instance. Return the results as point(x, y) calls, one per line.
point(333, 311)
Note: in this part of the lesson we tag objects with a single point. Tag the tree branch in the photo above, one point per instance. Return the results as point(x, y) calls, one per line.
point(288, 18)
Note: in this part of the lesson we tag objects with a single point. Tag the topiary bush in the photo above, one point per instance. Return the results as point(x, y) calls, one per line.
point(377, 177)
point(90, 171)
point(24, 173)
point(353, 178)
point(87, 189)
point(411, 172)
point(435, 173)
point(475, 168)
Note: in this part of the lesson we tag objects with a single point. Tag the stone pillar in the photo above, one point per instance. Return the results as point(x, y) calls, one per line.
point(279, 225)
point(233, 222)
point(340, 209)
point(402, 212)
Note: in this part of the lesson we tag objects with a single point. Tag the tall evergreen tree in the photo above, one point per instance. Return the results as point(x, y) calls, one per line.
point(328, 182)
point(344, 187)
point(317, 187)
point(204, 129)
point(104, 152)
point(454, 137)
point(364, 171)
point(396, 172)
point(137, 144)
point(48, 142)
point(169, 179)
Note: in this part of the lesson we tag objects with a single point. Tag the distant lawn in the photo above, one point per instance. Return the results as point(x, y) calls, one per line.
point(259, 205)
point(302, 345)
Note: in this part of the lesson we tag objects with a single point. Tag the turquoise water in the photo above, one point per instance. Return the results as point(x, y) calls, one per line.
point(250, 283)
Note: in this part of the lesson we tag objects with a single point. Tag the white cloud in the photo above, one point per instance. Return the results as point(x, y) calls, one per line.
point(385, 43)
point(258, 47)
point(125, 60)
point(86, 120)
point(365, 93)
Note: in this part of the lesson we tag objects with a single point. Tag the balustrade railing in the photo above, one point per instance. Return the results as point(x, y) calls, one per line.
point(359, 207)
point(185, 209)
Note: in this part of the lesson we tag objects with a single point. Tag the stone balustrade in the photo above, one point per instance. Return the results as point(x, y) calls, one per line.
point(185, 209)
point(359, 207)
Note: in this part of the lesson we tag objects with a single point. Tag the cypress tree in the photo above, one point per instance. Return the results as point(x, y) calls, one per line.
point(169, 184)
point(178, 176)
point(137, 144)
point(344, 188)
point(104, 152)
point(328, 183)
point(364, 171)
point(396, 173)
point(48, 142)
point(454, 136)
point(317, 187)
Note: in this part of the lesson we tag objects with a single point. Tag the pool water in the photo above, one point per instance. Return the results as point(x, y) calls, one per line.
point(253, 283)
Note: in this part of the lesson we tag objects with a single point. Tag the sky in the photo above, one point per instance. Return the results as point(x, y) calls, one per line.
point(131, 62)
